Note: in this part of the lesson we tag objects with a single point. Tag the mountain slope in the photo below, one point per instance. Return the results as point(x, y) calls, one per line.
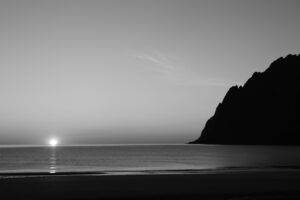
point(263, 111)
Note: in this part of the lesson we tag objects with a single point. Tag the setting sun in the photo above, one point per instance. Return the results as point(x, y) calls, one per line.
point(53, 142)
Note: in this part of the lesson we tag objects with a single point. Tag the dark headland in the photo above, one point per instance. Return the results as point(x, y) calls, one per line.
point(263, 111)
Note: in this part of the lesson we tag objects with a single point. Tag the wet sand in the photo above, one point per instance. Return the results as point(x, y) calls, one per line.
point(275, 184)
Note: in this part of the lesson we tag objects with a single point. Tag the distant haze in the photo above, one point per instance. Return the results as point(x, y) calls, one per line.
point(130, 71)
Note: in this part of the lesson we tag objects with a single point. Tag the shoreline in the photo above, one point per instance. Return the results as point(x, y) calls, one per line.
point(273, 184)
point(23, 174)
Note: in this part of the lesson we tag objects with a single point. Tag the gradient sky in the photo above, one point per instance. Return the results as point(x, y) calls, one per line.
point(130, 71)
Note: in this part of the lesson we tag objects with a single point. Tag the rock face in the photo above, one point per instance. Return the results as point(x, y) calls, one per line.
point(264, 111)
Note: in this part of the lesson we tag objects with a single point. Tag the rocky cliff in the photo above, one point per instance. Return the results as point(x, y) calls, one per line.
point(264, 111)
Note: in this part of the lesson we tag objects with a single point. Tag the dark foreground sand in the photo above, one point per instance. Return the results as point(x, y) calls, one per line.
point(226, 185)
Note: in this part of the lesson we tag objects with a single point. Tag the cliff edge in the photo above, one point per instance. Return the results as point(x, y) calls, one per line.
point(263, 111)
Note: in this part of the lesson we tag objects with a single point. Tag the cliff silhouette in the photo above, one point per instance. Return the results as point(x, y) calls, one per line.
point(263, 111)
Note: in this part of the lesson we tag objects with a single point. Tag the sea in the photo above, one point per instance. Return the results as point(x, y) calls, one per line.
point(149, 159)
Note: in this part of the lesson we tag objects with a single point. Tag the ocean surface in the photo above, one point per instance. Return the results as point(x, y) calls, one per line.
point(144, 158)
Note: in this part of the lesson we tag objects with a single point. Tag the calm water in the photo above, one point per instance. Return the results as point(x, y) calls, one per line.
point(134, 158)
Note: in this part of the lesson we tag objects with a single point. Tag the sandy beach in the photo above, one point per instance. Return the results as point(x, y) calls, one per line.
point(275, 184)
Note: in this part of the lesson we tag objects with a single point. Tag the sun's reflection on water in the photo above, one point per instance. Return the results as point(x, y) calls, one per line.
point(52, 167)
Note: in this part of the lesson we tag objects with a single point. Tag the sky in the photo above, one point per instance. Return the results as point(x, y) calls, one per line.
point(130, 71)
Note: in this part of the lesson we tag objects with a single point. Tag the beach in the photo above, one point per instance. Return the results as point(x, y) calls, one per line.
point(253, 184)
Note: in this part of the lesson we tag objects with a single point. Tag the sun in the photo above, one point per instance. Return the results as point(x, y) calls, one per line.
point(53, 142)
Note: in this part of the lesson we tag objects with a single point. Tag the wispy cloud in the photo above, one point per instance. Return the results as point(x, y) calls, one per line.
point(157, 59)
point(179, 75)
point(207, 82)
